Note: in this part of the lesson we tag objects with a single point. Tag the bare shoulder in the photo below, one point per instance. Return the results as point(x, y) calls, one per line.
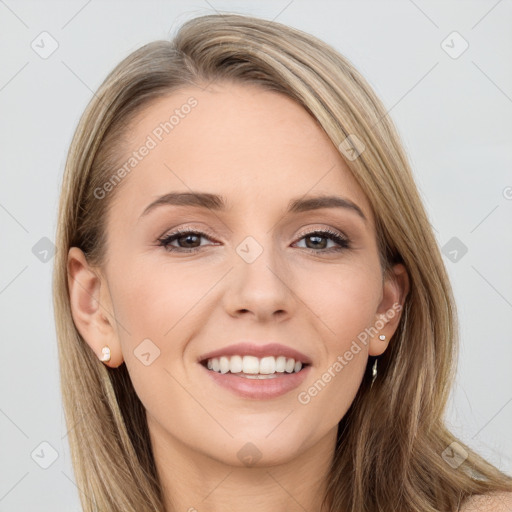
point(493, 502)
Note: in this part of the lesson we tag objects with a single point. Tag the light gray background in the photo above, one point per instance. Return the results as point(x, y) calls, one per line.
point(454, 115)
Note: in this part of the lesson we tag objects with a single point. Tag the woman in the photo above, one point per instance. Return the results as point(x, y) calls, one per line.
point(251, 307)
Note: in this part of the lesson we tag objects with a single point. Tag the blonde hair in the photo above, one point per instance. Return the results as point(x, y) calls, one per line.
point(391, 440)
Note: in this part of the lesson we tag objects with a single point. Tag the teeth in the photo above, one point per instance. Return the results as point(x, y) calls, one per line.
point(235, 364)
point(250, 364)
point(254, 367)
point(224, 365)
point(290, 365)
point(280, 364)
point(267, 365)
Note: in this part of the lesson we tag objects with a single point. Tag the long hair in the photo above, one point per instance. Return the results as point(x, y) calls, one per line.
point(392, 444)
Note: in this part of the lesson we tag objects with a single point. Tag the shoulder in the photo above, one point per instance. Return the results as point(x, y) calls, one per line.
point(493, 502)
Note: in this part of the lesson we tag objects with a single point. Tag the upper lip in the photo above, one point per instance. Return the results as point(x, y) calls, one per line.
point(257, 350)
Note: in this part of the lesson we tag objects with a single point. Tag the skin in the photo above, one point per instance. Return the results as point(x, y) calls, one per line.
point(259, 150)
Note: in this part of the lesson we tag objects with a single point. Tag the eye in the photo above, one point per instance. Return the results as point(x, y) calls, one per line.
point(187, 240)
point(317, 245)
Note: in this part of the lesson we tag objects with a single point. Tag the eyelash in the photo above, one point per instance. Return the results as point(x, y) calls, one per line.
point(344, 243)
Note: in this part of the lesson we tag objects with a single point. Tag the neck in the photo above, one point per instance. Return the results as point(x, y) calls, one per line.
point(192, 481)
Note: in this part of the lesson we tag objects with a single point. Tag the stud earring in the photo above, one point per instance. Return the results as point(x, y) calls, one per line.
point(105, 354)
point(382, 337)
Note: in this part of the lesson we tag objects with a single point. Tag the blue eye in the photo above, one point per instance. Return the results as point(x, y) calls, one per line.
point(193, 240)
point(317, 236)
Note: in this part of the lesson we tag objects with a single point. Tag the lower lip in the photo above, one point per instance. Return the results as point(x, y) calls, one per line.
point(260, 389)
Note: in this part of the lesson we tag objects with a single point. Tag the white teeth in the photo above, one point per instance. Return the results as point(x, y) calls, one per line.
point(251, 364)
point(280, 364)
point(236, 364)
point(254, 367)
point(267, 365)
point(290, 365)
point(224, 364)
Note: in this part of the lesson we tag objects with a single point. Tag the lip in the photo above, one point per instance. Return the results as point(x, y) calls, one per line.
point(259, 389)
point(257, 350)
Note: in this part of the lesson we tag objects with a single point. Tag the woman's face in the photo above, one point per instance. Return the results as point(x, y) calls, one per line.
point(252, 271)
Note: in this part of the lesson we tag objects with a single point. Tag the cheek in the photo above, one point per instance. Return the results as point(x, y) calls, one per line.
point(345, 309)
point(345, 299)
point(158, 310)
point(156, 302)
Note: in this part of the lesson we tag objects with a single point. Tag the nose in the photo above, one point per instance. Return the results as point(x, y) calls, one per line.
point(259, 285)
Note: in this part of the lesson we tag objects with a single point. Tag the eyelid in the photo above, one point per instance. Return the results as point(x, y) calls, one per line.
point(186, 229)
point(309, 230)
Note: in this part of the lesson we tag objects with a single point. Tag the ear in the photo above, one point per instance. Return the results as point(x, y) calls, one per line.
point(394, 291)
point(91, 307)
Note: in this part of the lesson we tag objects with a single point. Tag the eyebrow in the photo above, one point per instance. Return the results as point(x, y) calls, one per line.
point(218, 203)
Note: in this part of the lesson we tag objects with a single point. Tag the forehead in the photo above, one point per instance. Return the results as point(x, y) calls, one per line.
point(257, 148)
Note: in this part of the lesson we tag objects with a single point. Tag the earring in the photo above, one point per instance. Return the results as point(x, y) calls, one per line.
point(382, 337)
point(374, 372)
point(105, 354)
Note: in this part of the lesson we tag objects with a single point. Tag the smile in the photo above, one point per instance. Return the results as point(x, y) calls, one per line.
point(262, 379)
point(252, 366)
